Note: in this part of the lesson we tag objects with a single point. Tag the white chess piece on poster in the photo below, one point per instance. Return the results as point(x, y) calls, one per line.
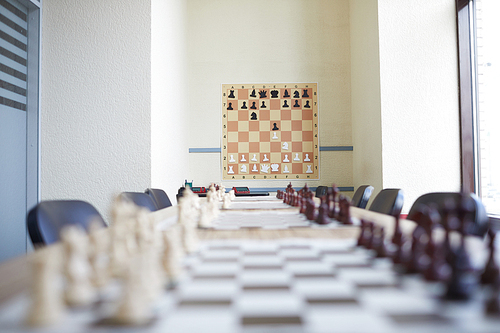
point(275, 136)
point(286, 158)
point(285, 170)
point(231, 159)
point(230, 169)
point(307, 158)
point(254, 169)
point(264, 168)
point(296, 158)
point(243, 168)
point(254, 158)
point(309, 169)
point(243, 158)
point(265, 158)
point(274, 167)
point(285, 145)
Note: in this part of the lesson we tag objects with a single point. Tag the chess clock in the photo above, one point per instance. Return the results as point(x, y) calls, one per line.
point(241, 189)
point(198, 189)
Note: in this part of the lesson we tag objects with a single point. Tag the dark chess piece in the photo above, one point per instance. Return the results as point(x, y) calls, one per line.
point(437, 269)
point(231, 94)
point(262, 94)
point(230, 106)
point(322, 217)
point(278, 194)
point(310, 209)
point(253, 94)
point(286, 94)
point(305, 94)
point(417, 253)
point(450, 223)
point(307, 106)
point(333, 191)
point(263, 106)
point(491, 272)
point(399, 240)
point(253, 107)
point(380, 245)
point(253, 116)
point(244, 106)
point(275, 128)
point(362, 233)
point(274, 93)
point(296, 94)
point(344, 210)
point(303, 205)
point(492, 303)
point(285, 104)
point(369, 236)
point(296, 105)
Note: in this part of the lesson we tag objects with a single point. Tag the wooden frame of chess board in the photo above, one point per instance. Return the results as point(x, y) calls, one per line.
point(270, 131)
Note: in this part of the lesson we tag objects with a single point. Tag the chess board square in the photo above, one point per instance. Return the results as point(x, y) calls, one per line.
point(286, 115)
point(286, 157)
point(255, 248)
point(232, 147)
point(307, 146)
point(307, 125)
point(296, 114)
point(278, 125)
point(353, 259)
point(275, 104)
point(305, 168)
point(275, 147)
point(264, 114)
point(275, 115)
point(242, 93)
point(286, 167)
point(263, 93)
point(232, 94)
point(232, 105)
point(232, 126)
point(307, 136)
point(207, 292)
point(307, 156)
point(232, 137)
point(262, 261)
point(232, 116)
point(286, 125)
point(233, 167)
point(264, 125)
point(295, 93)
point(306, 93)
point(243, 168)
point(307, 104)
point(296, 125)
point(253, 105)
point(307, 114)
point(285, 92)
point(243, 137)
point(367, 277)
point(296, 104)
point(266, 304)
point(253, 94)
point(265, 136)
point(297, 136)
point(310, 269)
point(286, 136)
point(264, 279)
point(243, 146)
point(254, 158)
point(286, 104)
point(243, 126)
point(242, 104)
point(264, 157)
point(297, 146)
point(253, 137)
point(299, 253)
point(254, 147)
point(255, 168)
point(297, 168)
point(243, 157)
point(253, 126)
point(264, 104)
point(275, 157)
point(243, 115)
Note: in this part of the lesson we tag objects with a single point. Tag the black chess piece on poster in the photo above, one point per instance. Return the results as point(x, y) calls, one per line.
point(286, 94)
point(253, 116)
point(274, 93)
point(244, 106)
point(230, 106)
point(231, 94)
point(275, 128)
point(252, 94)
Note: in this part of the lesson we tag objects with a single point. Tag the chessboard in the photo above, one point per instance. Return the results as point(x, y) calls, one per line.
point(270, 131)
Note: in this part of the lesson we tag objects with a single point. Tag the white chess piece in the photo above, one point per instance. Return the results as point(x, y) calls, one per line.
point(265, 158)
point(99, 254)
point(254, 169)
point(285, 145)
point(243, 158)
point(309, 169)
point(254, 158)
point(230, 169)
point(285, 170)
point(306, 159)
point(286, 158)
point(231, 159)
point(264, 168)
point(296, 158)
point(226, 201)
point(274, 167)
point(274, 136)
point(243, 168)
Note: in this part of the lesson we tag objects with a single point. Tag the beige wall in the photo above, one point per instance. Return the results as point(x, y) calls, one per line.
point(96, 99)
point(268, 41)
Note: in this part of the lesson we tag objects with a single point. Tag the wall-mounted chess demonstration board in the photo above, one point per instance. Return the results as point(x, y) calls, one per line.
point(270, 131)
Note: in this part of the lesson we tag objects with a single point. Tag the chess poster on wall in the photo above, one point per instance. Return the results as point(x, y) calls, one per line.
point(270, 131)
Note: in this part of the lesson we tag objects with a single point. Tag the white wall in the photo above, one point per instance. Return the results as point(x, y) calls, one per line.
point(268, 41)
point(96, 99)
point(419, 96)
point(169, 107)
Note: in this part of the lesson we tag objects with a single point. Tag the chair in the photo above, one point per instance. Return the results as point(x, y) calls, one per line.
point(321, 191)
point(480, 218)
point(159, 197)
point(388, 201)
point(141, 199)
point(46, 219)
point(361, 196)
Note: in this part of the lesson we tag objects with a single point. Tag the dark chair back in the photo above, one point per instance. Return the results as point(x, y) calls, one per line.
point(479, 216)
point(46, 219)
point(321, 191)
point(388, 201)
point(361, 196)
point(141, 199)
point(159, 197)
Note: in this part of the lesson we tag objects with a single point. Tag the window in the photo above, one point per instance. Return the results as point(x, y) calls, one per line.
point(479, 59)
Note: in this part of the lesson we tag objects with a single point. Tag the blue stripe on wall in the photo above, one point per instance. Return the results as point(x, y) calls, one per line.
point(321, 148)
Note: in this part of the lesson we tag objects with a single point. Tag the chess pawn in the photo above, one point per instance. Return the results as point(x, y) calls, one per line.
point(79, 291)
point(380, 247)
point(362, 233)
point(99, 254)
point(226, 201)
point(118, 255)
point(46, 299)
point(173, 253)
point(491, 272)
point(322, 217)
point(232, 195)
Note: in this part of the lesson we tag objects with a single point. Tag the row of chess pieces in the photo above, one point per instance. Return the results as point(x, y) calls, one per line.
point(333, 206)
point(441, 261)
point(132, 253)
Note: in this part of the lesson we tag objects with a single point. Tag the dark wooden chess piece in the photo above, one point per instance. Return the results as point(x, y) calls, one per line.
point(362, 232)
point(275, 127)
point(231, 94)
point(296, 94)
point(370, 235)
point(307, 106)
point(322, 217)
point(333, 191)
point(244, 106)
point(380, 245)
point(414, 263)
point(303, 205)
point(344, 210)
point(286, 94)
point(492, 303)
point(491, 272)
point(253, 116)
point(305, 94)
point(274, 93)
point(437, 269)
point(310, 209)
point(230, 106)
point(296, 105)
